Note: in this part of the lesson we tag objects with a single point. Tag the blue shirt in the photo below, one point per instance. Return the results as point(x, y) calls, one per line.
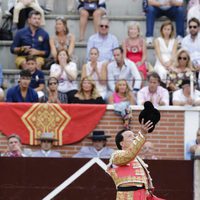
point(14, 95)
point(104, 44)
point(39, 41)
point(37, 79)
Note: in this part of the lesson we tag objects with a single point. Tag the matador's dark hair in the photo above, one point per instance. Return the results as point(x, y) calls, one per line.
point(119, 137)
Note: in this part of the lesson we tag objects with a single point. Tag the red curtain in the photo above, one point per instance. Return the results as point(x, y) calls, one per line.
point(69, 122)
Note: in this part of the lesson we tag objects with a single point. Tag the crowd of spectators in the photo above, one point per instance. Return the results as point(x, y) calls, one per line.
point(107, 62)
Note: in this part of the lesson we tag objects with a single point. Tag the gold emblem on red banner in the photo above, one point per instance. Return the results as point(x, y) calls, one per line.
point(42, 118)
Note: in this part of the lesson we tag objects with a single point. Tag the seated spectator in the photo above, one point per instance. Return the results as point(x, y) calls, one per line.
point(31, 40)
point(37, 76)
point(122, 98)
point(186, 97)
point(14, 147)
point(98, 148)
point(1, 95)
point(22, 92)
point(87, 93)
point(173, 9)
point(97, 70)
point(52, 96)
point(148, 151)
point(46, 143)
point(66, 72)
point(122, 93)
point(63, 39)
point(122, 68)
point(192, 44)
point(153, 92)
point(135, 48)
point(48, 6)
point(104, 41)
point(180, 71)
point(192, 146)
point(94, 8)
point(21, 4)
point(165, 49)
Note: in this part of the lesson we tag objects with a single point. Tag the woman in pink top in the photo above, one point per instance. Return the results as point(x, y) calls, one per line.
point(135, 48)
point(122, 93)
point(122, 98)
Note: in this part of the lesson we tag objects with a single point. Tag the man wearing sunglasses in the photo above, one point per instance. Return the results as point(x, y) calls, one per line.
point(46, 143)
point(192, 44)
point(103, 41)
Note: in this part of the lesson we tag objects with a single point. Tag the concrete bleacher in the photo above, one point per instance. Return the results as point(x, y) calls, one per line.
point(119, 12)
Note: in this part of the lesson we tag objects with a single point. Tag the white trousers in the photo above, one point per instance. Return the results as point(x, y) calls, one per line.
point(19, 6)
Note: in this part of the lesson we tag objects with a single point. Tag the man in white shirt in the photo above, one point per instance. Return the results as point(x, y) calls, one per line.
point(192, 43)
point(46, 142)
point(183, 96)
point(122, 68)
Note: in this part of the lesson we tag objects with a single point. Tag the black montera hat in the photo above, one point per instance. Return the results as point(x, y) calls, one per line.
point(149, 113)
point(98, 135)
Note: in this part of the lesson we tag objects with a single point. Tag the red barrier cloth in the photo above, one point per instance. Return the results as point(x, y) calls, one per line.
point(69, 122)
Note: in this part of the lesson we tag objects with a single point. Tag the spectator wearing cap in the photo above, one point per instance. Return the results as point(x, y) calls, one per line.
point(22, 92)
point(14, 147)
point(46, 143)
point(184, 96)
point(98, 148)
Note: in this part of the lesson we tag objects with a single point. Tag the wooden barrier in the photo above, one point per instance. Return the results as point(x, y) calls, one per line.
point(34, 178)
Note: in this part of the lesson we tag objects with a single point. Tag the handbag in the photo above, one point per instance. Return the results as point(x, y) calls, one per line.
point(6, 29)
point(90, 6)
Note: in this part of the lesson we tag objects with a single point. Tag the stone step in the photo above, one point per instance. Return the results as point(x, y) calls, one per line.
point(118, 25)
point(114, 7)
point(7, 59)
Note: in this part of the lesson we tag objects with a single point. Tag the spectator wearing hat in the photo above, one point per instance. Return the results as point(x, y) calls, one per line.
point(14, 147)
point(98, 148)
point(184, 96)
point(46, 143)
point(22, 92)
